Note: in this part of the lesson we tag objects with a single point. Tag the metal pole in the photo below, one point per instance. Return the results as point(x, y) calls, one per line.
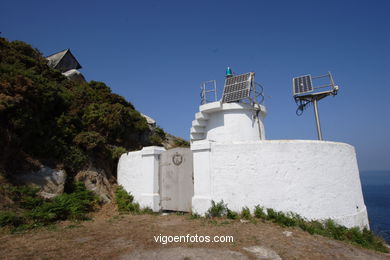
point(215, 90)
point(319, 133)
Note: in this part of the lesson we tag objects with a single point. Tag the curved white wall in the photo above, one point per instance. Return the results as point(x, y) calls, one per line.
point(231, 122)
point(315, 179)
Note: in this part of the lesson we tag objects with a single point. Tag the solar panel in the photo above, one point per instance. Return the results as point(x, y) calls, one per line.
point(237, 87)
point(302, 84)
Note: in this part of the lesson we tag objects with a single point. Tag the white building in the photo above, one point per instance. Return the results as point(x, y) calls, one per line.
point(233, 162)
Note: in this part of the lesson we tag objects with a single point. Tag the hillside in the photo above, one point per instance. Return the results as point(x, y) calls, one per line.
point(52, 126)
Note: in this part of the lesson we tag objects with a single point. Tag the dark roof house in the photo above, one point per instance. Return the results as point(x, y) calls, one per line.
point(63, 61)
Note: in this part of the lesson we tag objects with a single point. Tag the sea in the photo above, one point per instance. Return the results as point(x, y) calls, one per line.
point(376, 192)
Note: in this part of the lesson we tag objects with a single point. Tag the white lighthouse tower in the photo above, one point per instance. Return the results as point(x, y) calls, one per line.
point(234, 162)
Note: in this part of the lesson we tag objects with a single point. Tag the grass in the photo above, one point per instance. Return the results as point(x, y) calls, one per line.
point(327, 228)
point(194, 216)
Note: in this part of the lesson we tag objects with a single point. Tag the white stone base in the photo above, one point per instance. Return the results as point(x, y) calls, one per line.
point(316, 179)
point(150, 200)
point(200, 205)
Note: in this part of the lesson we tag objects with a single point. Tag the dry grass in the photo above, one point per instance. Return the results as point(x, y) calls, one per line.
point(111, 235)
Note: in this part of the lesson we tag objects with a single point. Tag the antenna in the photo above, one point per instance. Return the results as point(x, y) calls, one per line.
point(305, 92)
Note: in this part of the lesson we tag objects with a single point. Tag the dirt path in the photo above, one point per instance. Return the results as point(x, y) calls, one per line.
point(132, 237)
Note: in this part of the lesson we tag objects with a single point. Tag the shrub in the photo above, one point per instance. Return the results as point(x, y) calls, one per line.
point(74, 206)
point(160, 132)
point(89, 140)
point(259, 212)
point(328, 228)
point(147, 210)
point(271, 214)
point(245, 213)
point(231, 214)
point(8, 218)
point(155, 139)
point(217, 209)
point(25, 196)
point(181, 143)
point(39, 212)
point(125, 201)
point(333, 230)
point(116, 152)
point(194, 216)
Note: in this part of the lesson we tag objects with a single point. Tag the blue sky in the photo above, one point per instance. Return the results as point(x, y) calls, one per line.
point(157, 53)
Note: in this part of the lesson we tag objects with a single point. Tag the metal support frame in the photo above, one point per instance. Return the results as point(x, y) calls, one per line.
point(315, 97)
point(255, 103)
point(204, 91)
point(319, 133)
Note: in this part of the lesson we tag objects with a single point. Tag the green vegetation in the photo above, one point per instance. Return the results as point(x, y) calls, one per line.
point(246, 213)
point(194, 216)
point(217, 209)
point(181, 143)
point(45, 116)
point(259, 212)
point(9, 218)
point(126, 204)
point(125, 201)
point(40, 212)
point(327, 228)
point(231, 214)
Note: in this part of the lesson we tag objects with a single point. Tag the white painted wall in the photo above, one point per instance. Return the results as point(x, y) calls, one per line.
point(316, 179)
point(223, 122)
point(234, 122)
point(138, 174)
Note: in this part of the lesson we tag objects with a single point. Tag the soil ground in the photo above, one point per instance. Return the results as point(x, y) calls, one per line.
point(113, 236)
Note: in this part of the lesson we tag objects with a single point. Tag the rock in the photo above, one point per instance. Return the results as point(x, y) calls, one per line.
point(244, 221)
point(74, 75)
point(149, 120)
point(97, 182)
point(262, 252)
point(50, 181)
point(287, 233)
point(184, 253)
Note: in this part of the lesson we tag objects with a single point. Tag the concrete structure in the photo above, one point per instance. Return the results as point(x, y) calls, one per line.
point(316, 179)
point(158, 179)
point(65, 62)
point(138, 174)
point(220, 122)
point(74, 75)
point(233, 162)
